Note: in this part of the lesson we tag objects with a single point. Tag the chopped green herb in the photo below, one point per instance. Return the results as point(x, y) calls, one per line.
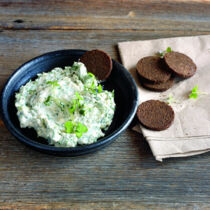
point(75, 67)
point(53, 83)
point(82, 109)
point(69, 125)
point(78, 96)
point(73, 107)
point(94, 88)
point(76, 104)
point(31, 91)
point(82, 112)
point(93, 91)
point(93, 85)
point(48, 101)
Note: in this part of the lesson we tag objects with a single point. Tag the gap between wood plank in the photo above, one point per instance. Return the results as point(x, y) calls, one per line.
point(91, 29)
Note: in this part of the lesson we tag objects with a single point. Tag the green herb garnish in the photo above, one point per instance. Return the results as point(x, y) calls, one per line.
point(168, 49)
point(48, 101)
point(91, 75)
point(194, 92)
point(76, 105)
point(31, 91)
point(77, 128)
point(113, 93)
point(162, 53)
point(53, 83)
point(80, 129)
point(73, 107)
point(170, 99)
point(82, 109)
point(78, 96)
point(69, 125)
point(100, 88)
point(82, 112)
point(93, 86)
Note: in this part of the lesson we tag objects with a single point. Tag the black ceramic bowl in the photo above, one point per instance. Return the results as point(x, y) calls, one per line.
point(120, 81)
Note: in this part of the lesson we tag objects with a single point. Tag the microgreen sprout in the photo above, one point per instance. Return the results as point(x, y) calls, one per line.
point(76, 105)
point(78, 96)
point(168, 49)
point(195, 93)
point(162, 53)
point(80, 129)
point(82, 109)
point(113, 93)
point(170, 100)
point(75, 127)
point(99, 88)
point(91, 75)
point(53, 83)
point(69, 127)
point(73, 107)
point(95, 88)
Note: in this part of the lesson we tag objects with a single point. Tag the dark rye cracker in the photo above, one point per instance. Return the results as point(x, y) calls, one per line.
point(97, 62)
point(179, 63)
point(155, 115)
point(153, 68)
point(159, 87)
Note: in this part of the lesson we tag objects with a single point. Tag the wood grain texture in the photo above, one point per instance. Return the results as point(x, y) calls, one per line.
point(123, 175)
point(106, 15)
point(19, 46)
point(112, 174)
point(101, 205)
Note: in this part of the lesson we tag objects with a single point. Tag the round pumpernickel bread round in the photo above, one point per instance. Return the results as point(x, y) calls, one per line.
point(97, 62)
point(180, 64)
point(153, 68)
point(159, 87)
point(155, 115)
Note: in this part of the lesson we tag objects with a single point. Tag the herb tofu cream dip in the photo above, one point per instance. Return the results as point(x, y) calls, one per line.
point(66, 106)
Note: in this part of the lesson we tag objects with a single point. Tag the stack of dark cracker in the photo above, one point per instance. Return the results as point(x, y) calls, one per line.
point(157, 74)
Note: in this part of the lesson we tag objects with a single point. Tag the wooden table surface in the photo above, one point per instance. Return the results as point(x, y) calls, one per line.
point(123, 175)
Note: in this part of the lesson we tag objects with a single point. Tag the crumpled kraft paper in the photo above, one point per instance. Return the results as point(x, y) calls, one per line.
point(190, 131)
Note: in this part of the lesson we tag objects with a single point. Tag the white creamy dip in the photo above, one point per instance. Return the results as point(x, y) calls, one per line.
point(66, 106)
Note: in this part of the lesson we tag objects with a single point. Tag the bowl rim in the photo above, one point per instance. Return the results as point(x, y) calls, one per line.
point(104, 140)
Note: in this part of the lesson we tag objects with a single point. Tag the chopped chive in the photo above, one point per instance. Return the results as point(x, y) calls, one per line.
point(47, 102)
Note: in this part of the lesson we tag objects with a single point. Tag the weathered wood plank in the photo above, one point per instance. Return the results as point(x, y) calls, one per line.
point(101, 205)
point(19, 46)
point(137, 15)
point(111, 174)
point(124, 171)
